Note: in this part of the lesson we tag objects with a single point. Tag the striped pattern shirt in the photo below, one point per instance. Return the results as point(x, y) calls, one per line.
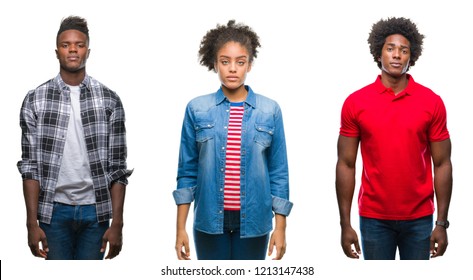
point(231, 190)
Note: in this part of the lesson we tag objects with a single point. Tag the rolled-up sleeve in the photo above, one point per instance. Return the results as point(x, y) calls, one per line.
point(117, 170)
point(188, 161)
point(278, 168)
point(28, 165)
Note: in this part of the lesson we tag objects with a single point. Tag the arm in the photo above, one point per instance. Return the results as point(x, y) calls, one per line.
point(186, 182)
point(35, 234)
point(119, 174)
point(29, 172)
point(278, 237)
point(279, 180)
point(182, 239)
point(441, 152)
point(113, 235)
point(345, 187)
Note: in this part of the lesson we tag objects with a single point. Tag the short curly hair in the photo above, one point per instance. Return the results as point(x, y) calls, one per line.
point(222, 34)
point(73, 22)
point(403, 26)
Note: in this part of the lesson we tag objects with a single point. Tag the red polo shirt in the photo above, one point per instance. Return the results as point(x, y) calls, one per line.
point(395, 132)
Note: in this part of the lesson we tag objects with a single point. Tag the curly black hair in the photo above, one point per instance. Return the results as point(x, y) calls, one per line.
point(73, 22)
point(232, 32)
point(403, 26)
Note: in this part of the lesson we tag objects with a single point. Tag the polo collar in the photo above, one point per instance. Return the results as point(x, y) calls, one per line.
point(409, 90)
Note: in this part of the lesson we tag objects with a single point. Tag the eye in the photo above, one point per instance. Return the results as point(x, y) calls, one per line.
point(241, 63)
point(64, 45)
point(224, 62)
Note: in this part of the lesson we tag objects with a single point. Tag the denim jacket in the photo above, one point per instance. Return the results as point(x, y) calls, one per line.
point(264, 177)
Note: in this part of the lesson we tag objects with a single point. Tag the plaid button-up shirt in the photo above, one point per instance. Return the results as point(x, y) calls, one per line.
point(44, 119)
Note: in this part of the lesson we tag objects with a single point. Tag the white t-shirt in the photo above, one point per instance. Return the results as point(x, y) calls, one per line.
point(75, 185)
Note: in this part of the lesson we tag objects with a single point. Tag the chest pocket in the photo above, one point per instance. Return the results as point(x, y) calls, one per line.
point(204, 130)
point(264, 134)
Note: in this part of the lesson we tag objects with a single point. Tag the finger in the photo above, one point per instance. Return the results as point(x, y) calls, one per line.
point(114, 251)
point(271, 246)
point(357, 247)
point(44, 243)
point(187, 249)
point(104, 245)
point(432, 247)
point(280, 252)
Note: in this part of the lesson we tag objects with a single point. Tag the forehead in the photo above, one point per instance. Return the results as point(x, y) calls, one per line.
point(233, 48)
point(72, 35)
point(397, 39)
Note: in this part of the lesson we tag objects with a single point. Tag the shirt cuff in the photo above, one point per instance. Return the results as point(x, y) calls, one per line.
point(184, 195)
point(282, 206)
point(121, 176)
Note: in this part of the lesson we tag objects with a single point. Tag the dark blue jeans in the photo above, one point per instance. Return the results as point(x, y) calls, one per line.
point(229, 245)
point(74, 233)
point(381, 238)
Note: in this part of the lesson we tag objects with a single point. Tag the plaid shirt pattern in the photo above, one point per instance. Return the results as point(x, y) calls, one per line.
point(44, 119)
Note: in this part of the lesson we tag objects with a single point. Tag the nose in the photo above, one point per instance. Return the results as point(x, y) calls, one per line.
point(72, 48)
point(233, 67)
point(396, 53)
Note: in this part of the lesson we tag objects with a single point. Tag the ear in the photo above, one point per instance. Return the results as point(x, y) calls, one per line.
point(215, 67)
point(249, 67)
point(57, 53)
point(88, 53)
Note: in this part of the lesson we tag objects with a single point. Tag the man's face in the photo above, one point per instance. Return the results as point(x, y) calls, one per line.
point(72, 50)
point(395, 55)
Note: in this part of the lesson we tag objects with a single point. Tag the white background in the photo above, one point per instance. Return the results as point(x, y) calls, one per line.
point(314, 53)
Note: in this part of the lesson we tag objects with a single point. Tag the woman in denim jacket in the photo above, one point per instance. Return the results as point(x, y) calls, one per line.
point(232, 159)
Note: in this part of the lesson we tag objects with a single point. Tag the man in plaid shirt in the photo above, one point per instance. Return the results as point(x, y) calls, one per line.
point(73, 157)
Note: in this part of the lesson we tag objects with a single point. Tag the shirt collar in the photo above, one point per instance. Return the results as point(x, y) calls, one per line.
point(250, 98)
point(409, 90)
point(62, 85)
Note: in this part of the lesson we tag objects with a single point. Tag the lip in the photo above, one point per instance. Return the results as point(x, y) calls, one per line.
point(395, 64)
point(73, 58)
point(232, 78)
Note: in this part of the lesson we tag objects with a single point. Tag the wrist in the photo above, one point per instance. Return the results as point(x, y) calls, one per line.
point(445, 224)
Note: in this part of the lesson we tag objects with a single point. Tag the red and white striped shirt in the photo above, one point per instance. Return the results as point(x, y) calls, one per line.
point(231, 190)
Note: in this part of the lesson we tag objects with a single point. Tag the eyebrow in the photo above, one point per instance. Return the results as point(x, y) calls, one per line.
point(238, 57)
point(393, 45)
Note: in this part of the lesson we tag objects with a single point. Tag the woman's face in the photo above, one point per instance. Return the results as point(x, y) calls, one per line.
point(232, 65)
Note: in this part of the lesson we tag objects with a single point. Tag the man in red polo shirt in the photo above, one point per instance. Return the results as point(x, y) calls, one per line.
point(401, 128)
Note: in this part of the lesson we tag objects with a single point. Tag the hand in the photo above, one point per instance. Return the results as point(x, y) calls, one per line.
point(349, 239)
point(438, 241)
point(113, 236)
point(278, 240)
point(182, 241)
point(35, 236)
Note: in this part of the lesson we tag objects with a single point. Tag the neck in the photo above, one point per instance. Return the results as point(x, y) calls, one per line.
point(397, 84)
point(72, 78)
point(235, 95)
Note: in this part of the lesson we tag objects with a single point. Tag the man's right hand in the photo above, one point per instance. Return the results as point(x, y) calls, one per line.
point(350, 244)
point(36, 236)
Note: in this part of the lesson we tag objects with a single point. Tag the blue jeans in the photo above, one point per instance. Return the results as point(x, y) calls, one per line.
point(381, 238)
point(74, 233)
point(229, 245)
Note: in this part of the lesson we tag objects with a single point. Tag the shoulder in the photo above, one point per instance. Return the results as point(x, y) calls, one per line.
point(425, 93)
point(266, 104)
point(98, 87)
point(202, 102)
